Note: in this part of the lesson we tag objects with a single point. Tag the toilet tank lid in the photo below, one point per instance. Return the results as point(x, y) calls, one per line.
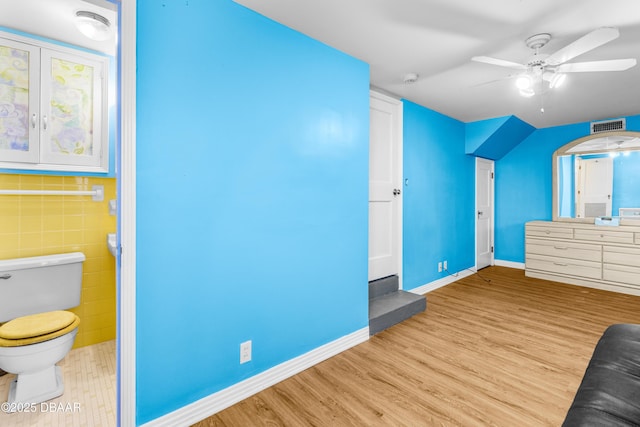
point(40, 261)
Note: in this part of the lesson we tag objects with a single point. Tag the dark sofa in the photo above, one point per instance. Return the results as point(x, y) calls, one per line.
point(609, 394)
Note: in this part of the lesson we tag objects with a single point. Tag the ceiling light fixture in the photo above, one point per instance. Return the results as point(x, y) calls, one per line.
point(92, 25)
point(524, 82)
point(527, 93)
point(557, 80)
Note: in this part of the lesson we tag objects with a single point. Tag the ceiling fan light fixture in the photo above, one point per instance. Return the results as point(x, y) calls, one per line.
point(524, 82)
point(557, 80)
point(92, 25)
point(527, 93)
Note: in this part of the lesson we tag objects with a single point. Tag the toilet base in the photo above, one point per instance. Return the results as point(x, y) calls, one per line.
point(37, 387)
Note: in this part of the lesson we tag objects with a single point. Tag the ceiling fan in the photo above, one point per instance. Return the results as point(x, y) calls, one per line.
point(553, 68)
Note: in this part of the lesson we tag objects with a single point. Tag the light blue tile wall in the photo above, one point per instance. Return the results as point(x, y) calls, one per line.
point(252, 198)
point(438, 202)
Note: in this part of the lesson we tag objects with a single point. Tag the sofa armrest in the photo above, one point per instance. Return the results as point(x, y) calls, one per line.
point(609, 394)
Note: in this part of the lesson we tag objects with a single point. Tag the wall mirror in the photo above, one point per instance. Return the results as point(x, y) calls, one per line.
point(598, 176)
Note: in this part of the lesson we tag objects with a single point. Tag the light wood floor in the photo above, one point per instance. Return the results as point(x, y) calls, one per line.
point(508, 351)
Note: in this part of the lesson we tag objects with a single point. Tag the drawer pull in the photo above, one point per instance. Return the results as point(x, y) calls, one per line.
point(547, 231)
point(562, 248)
point(561, 264)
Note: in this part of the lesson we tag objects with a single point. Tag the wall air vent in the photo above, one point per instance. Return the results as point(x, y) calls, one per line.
point(608, 126)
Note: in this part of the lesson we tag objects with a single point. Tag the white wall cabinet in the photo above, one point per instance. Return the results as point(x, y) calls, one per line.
point(53, 107)
point(600, 257)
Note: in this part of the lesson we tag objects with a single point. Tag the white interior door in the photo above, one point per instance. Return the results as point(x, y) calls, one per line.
point(484, 212)
point(594, 187)
point(385, 190)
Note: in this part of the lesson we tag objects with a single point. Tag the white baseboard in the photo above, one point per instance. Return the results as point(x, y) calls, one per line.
point(216, 402)
point(432, 286)
point(510, 264)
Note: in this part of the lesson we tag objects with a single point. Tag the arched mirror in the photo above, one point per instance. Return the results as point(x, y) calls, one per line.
point(597, 176)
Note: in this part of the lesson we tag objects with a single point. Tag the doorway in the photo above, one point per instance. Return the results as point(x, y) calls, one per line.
point(484, 212)
point(594, 187)
point(385, 189)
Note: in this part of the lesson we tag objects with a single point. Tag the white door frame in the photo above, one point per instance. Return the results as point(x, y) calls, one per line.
point(491, 210)
point(126, 335)
point(398, 179)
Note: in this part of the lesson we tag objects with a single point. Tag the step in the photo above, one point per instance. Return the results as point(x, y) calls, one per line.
point(383, 286)
point(392, 308)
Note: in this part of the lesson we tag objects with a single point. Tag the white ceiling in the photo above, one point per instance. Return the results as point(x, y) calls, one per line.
point(54, 19)
point(437, 38)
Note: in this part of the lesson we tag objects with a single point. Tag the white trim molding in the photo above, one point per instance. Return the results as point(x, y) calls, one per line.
point(432, 286)
point(126, 366)
point(216, 402)
point(510, 264)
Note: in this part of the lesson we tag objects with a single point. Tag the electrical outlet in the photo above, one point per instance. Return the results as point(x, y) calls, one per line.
point(445, 265)
point(245, 352)
point(440, 267)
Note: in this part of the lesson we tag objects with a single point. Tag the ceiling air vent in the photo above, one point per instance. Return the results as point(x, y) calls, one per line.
point(608, 126)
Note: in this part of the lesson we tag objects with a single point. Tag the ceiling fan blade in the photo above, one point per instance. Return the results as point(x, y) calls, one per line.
point(585, 67)
point(584, 44)
point(499, 62)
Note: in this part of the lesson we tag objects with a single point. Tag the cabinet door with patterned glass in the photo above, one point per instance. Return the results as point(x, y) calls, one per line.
point(19, 109)
point(73, 118)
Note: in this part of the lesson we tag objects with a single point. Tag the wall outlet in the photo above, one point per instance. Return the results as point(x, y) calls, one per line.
point(445, 265)
point(245, 352)
point(440, 267)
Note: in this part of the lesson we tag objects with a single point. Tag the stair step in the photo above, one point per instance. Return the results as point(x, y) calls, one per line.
point(383, 286)
point(392, 308)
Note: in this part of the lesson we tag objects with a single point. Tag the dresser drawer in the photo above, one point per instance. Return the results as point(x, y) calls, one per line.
point(564, 249)
point(544, 231)
point(621, 274)
point(604, 236)
point(621, 256)
point(570, 267)
point(637, 239)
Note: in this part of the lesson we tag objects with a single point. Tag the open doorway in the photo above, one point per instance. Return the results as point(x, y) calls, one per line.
point(484, 212)
point(61, 223)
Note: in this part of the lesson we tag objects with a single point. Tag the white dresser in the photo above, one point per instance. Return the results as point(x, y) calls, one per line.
point(600, 257)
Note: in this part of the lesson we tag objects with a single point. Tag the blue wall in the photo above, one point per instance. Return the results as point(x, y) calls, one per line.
point(626, 181)
point(566, 186)
point(252, 198)
point(523, 184)
point(439, 200)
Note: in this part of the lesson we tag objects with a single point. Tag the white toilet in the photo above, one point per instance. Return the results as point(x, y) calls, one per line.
point(38, 333)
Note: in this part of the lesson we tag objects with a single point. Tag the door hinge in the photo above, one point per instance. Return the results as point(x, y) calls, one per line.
point(491, 175)
point(491, 249)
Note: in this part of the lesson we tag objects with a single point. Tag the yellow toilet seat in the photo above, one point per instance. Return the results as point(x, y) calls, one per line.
point(37, 328)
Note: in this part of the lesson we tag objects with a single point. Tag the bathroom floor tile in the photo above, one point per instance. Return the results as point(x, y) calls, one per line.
point(89, 398)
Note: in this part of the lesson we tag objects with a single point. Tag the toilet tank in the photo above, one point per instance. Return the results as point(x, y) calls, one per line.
point(39, 284)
